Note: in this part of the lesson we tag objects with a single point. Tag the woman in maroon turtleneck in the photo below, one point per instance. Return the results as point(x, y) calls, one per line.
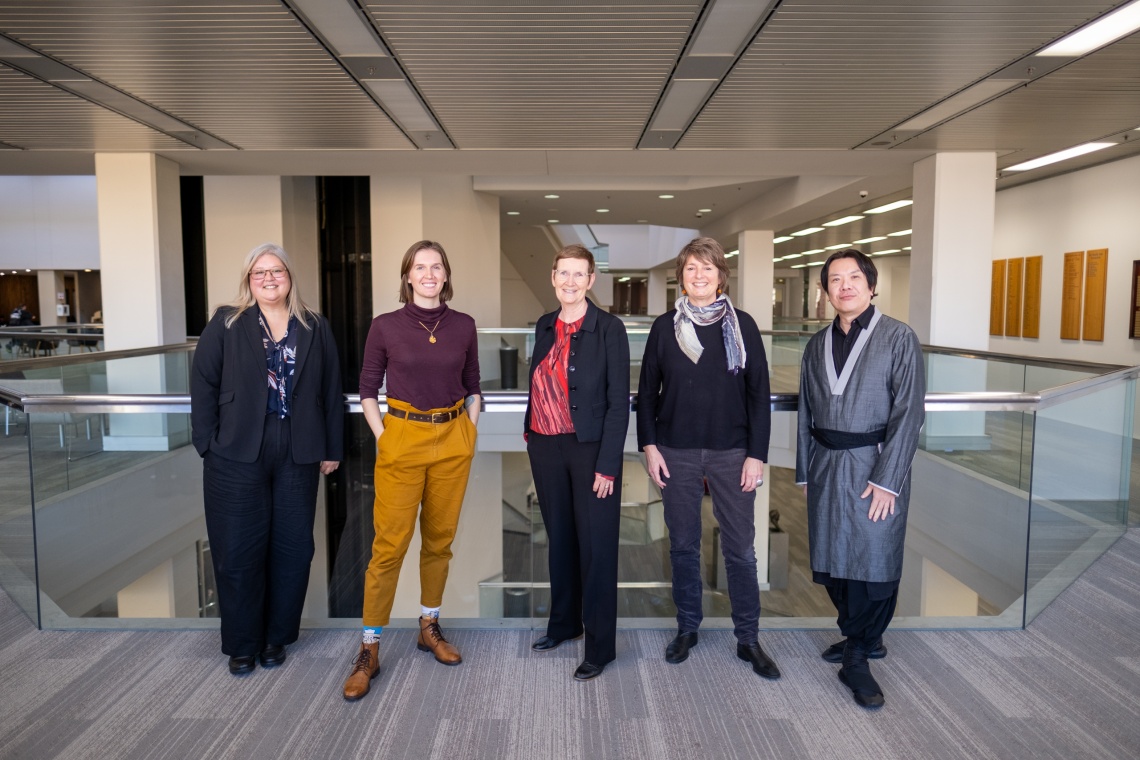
point(430, 357)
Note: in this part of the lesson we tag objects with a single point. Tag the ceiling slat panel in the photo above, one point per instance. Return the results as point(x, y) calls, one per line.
point(247, 72)
point(828, 74)
point(526, 74)
point(38, 116)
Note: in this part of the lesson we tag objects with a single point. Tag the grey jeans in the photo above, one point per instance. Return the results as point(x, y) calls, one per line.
point(735, 511)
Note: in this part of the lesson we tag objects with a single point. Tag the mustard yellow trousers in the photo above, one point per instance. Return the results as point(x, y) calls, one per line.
point(417, 463)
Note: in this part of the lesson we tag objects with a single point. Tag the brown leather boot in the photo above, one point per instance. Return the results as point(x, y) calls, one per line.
point(365, 667)
point(431, 640)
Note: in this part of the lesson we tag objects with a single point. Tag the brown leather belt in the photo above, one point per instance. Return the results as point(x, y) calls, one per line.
point(435, 418)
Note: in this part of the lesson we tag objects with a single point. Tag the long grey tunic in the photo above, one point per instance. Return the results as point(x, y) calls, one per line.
point(883, 385)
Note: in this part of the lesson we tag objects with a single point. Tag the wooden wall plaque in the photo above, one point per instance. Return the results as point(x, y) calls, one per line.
point(1134, 327)
point(1031, 313)
point(1096, 290)
point(997, 298)
point(1072, 287)
point(1013, 297)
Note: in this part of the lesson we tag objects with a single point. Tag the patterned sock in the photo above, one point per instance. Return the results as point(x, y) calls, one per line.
point(372, 634)
point(429, 612)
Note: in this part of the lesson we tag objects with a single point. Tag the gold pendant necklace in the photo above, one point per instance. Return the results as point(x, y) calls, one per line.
point(431, 330)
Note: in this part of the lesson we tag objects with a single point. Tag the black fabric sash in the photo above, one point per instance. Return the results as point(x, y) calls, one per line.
point(841, 440)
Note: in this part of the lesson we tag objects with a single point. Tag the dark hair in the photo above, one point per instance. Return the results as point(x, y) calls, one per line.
point(866, 266)
point(406, 293)
point(707, 250)
point(574, 252)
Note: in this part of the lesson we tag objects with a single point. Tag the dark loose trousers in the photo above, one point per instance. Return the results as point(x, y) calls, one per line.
point(735, 510)
point(582, 540)
point(864, 610)
point(259, 518)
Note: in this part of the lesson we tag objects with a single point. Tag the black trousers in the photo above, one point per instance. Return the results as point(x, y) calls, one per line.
point(259, 518)
point(864, 609)
point(582, 540)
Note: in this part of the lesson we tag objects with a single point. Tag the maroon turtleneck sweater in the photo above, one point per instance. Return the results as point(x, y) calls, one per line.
point(424, 374)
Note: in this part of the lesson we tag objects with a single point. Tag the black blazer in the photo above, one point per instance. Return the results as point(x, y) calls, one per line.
point(229, 391)
point(599, 382)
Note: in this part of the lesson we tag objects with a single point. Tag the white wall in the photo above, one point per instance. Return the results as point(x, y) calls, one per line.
point(49, 223)
point(1093, 208)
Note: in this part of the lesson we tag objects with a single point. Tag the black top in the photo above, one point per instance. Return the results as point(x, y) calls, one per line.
point(704, 406)
point(597, 376)
point(842, 343)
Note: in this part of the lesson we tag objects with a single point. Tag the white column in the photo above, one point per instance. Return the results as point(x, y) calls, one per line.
point(952, 248)
point(49, 284)
point(244, 212)
point(658, 284)
point(950, 264)
point(140, 245)
point(755, 276)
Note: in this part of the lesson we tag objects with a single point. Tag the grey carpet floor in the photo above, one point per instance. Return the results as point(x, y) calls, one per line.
point(1068, 687)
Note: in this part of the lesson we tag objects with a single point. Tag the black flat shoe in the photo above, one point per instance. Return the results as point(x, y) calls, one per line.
point(762, 664)
point(855, 674)
point(678, 649)
point(834, 653)
point(546, 643)
point(243, 665)
point(272, 656)
point(588, 670)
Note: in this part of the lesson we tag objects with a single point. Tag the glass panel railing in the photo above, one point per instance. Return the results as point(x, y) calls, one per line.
point(1082, 461)
point(115, 472)
point(33, 341)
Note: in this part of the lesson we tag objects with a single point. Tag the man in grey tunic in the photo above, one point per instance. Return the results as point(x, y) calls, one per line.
point(862, 395)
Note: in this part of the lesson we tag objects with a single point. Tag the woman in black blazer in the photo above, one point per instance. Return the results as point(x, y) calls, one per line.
point(575, 425)
point(268, 418)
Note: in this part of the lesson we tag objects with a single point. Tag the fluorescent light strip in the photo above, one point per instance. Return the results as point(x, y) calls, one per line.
point(730, 254)
point(816, 263)
point(1060, 155)
point(798, 266)
point(900, 233)
point(837, 247)
point(808, 231)
point(1106, 29)
point(812, 251)
point(884, 253)
point(783, 239)
point(844, 220)
point(864, 241)
point(888, 207)
point(956, 104)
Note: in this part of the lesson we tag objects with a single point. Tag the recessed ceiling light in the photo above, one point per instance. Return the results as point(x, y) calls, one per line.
point(664, 197)
point(906, 247)
point(875, 239)
point(552, 221)
point(837, 246)
point(844, 220)
point(27, 270)
point(512, 213)
point(808, 231)
point(551, 196)
point(623, 279)
point(900, 233)
point(86, 270)
point(704, 211)
point(888, 207)
point(603, 211)
point(1060, 155)
point(1099, 33)
point(783, 239)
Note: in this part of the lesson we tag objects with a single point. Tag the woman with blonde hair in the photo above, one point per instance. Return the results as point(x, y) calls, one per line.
point(267, 412)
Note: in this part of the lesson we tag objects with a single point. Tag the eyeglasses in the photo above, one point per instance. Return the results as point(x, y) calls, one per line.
point(579, 277)
point(259, 274)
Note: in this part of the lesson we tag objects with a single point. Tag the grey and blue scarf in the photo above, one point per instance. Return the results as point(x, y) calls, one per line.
point(720, 309)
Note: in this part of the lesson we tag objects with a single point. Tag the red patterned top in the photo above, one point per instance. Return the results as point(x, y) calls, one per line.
point(549, 389)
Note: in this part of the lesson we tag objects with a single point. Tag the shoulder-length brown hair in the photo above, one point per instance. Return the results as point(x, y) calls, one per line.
point(707, 250)
point(297, 306)
point(406, 294)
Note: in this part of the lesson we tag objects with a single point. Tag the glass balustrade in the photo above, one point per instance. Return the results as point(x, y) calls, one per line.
point(1016, 488)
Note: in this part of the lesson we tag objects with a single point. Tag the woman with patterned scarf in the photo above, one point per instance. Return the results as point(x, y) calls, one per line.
point(703, 414)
